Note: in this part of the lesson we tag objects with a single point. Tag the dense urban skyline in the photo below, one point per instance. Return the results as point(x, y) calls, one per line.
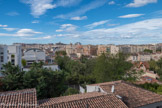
point(85, 21)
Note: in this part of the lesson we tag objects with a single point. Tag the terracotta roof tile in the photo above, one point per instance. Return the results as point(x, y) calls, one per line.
point(133, 96)
point(91, 100)
point(18, 99)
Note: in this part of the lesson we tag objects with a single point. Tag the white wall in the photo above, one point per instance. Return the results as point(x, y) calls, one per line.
point(92, 88)
point(16, 51)
point(34, 55)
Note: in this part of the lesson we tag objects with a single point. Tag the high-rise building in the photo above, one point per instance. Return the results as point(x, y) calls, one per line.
point(14, 54)
point(3, 56)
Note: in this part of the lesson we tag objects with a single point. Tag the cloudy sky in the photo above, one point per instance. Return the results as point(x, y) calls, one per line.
point(85, 21)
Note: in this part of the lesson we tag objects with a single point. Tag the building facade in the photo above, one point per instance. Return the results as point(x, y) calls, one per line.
point(34, 55)
point(15, 54)
point(3, 57)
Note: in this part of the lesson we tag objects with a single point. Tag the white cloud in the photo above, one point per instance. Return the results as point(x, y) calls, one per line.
point(141, 31)
point(3, 25)
point(94, 4)
point(139, 3)
point(39, 38)
point(131, 16)
point(59, 30)
point(35, 22)
point(22, 33)
point(68, 35)
point(39, 7)
point(111, 3)
point(79, 18)
point(146, 28)
point(95, 24)
point(9, 29)
point(12, 13)
point(67, 3)
point(27, 32)
point(67, 28)
point(113, 24)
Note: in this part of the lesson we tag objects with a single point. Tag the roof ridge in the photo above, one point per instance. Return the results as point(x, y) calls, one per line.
point(106, 83)
point(25, 90)
point(84, 98)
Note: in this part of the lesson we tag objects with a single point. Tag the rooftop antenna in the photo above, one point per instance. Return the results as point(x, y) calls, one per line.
point(112, 88)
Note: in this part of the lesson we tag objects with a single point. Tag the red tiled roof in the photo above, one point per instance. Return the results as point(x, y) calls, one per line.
point(133, 96)
point(91, 100)
point(18, 99)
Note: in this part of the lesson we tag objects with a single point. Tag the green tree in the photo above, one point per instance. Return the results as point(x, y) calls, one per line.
point(152, 87)
point(153, 65)
point(60, 53)
point(110, 67)
point(45, 80)
point(148, 51)
point(13, 77)
point(70, 91)
point(23, 62)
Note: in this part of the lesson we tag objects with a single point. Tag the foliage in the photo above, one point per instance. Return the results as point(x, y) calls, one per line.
point(60, 53)
point(73, 72)
point(152, 87)
point(13, 77)
point(86, 71)
point(148, 51)
point(70, 91)
point(156, 66)
point(48, 83)
point(23, 62)
point(153, 65)
point(110, 68)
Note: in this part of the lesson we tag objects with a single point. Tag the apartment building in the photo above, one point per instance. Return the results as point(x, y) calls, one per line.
point(70, 49)
point(112, 49)
point(141, 48)
point(34, 55)
point(144, 57)
point(3, 57)
point(89, 50)
point(14, 54)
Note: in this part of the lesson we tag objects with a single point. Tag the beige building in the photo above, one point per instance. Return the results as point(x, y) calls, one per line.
point(112, 49)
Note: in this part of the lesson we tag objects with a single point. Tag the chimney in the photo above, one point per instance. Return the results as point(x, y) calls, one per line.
point(112, 88)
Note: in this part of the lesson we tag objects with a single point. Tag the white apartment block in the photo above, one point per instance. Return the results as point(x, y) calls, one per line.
point(34, 55)
point(3, 56)
point(14, 54)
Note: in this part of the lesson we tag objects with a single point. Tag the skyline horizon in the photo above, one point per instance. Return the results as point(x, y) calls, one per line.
point(86, 21)
point(82, 43)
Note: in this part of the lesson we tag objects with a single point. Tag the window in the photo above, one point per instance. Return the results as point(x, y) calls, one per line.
point(13, 62)
point(1, 59)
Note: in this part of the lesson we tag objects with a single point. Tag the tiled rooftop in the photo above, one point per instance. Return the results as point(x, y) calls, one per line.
point(86, 100)
point(125, 95)
point(133, 96)
point(18, 99)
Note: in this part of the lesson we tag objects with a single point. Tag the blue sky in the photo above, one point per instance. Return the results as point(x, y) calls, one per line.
point(85, 21)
